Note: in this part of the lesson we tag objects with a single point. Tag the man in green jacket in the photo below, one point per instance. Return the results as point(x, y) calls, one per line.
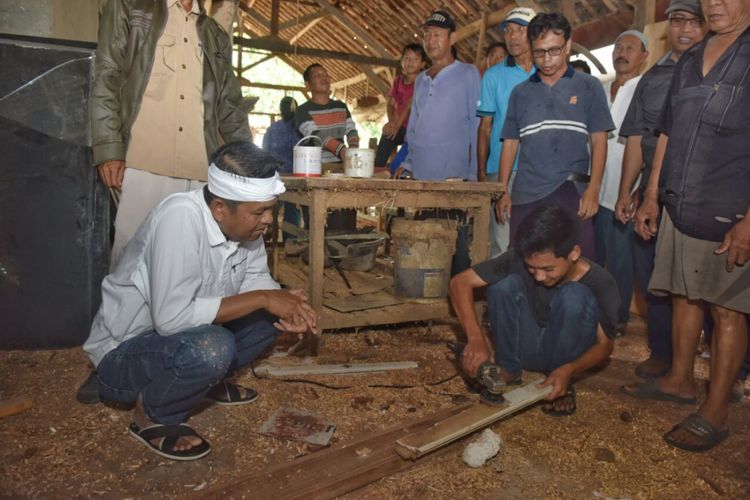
point(164, 98)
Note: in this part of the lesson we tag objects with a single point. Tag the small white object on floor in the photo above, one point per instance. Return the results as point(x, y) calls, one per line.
point(482, 449)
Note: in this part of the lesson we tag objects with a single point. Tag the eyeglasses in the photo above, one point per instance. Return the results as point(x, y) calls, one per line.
point(679, 21)
point(552, 51)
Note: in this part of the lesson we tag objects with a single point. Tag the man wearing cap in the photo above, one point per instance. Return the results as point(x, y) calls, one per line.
point(192, 301)
point(613, 239)
point(686, 28)
point(553, 135)
point(442, 131)
point(497, 84)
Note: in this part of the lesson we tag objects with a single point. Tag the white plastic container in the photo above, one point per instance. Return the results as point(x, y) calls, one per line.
point(359, 162)
point(306, 162)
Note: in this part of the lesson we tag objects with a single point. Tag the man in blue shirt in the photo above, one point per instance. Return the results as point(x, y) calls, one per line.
point(554, 114)
point(442, 131)
point(497, 83)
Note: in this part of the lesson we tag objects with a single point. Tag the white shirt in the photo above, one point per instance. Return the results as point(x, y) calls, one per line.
point(174, 274)
point(615, 149)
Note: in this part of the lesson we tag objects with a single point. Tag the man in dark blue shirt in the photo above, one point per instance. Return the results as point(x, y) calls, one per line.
point(551, 118)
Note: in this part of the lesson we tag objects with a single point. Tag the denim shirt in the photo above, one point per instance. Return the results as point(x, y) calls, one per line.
point(705, 178)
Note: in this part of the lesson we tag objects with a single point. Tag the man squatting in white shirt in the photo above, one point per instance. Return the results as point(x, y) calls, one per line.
point(192, 301)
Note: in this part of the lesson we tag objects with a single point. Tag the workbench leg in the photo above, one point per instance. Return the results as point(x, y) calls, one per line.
point(480, 243)
point(318, 212)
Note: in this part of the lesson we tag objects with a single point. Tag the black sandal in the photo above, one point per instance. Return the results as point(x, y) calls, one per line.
point(228, 394)
point(170, 433)
point(701, 429)
point(549, 408)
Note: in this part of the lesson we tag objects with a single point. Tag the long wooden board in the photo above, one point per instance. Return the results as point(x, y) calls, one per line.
point(475, 417)
point(335, 471)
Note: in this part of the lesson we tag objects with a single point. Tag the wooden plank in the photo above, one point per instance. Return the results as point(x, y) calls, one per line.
point(14, 406)
point(317, 259)
point(350, 183)
point(335, 471)
point(362, 302)
point(475, 417)
point(267, 370)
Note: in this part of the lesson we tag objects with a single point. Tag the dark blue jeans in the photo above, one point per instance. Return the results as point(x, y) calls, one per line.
point(614, 242)
point(518, 340)
point(172, 374)
point(659, 308)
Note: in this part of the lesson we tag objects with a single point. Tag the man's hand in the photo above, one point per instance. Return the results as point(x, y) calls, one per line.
point(646, 218)
point(559, 379)
point(475, 353)
point(625, 207)
point(294, 312)
point(737, 243)
point(390, 130)
point(589, 203)
point(502, 209)
point(111, 173)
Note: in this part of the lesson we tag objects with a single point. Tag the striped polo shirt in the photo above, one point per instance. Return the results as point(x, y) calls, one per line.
point(553, 125)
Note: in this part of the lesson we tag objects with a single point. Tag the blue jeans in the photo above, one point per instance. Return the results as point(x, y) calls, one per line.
point(614, 241)
point(519, 341)
point(659, 308)
point(172, 374)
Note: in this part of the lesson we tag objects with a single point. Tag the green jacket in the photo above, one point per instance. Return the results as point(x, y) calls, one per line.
point(128, 32)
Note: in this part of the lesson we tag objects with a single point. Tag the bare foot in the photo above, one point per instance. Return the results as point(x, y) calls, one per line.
point(183, 443)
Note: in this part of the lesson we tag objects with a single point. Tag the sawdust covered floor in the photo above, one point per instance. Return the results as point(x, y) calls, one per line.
point(611, 447)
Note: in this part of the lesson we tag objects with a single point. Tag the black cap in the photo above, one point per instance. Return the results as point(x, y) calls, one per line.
point(440, 19)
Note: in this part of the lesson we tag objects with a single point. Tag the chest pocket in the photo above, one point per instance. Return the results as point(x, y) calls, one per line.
point(727, 109)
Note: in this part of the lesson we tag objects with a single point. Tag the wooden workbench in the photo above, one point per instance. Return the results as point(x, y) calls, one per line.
point(323, 193)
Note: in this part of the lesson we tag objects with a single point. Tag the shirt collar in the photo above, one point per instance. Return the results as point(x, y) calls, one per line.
point(195, 9)
point(666, 60)
point(215, 236)
point(569, 72)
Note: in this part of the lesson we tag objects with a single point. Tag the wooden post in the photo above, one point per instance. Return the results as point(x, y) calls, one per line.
point(479, 58)
point(317, 233)
point(274, 18)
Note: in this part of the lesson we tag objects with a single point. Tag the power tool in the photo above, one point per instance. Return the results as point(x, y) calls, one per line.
point(488, 375)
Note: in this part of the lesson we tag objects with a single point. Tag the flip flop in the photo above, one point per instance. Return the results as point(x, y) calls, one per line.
point(170, 433)
point(708, 435)
point(649, 390)
point(549, 408)
point(228, 394)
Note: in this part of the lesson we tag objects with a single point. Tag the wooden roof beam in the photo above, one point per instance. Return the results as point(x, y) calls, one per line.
point(494, 17)
point(349, 24)
point(374, 79)
point(304, 30)
point(302, 20)
point(279, 46)
point(356, 79)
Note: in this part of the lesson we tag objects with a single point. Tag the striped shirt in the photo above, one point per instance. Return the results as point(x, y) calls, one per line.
point(553, 125)
point(331, 123)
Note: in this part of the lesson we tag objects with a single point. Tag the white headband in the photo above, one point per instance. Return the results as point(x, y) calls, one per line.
point(238, 188)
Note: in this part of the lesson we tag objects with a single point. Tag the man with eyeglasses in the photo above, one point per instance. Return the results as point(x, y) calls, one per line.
point(613, 239)
point(686, 28)
point(497, 84)
point(550, 120)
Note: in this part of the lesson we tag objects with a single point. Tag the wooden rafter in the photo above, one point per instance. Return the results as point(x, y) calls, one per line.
point(304, 30)
point(347, 23)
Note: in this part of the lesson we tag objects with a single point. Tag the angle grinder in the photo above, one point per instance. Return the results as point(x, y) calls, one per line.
point(488, 375)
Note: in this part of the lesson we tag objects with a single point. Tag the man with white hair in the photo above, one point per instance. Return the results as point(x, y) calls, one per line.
point(192, 301)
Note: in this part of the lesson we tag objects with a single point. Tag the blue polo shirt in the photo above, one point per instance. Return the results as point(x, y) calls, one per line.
point(497, 84)
point(442, 130)
point(553, 125)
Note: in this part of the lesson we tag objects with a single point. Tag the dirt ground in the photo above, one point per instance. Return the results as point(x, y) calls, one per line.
point(611, 447)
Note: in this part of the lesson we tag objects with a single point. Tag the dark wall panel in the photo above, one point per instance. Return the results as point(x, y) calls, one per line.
point(54, 215)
